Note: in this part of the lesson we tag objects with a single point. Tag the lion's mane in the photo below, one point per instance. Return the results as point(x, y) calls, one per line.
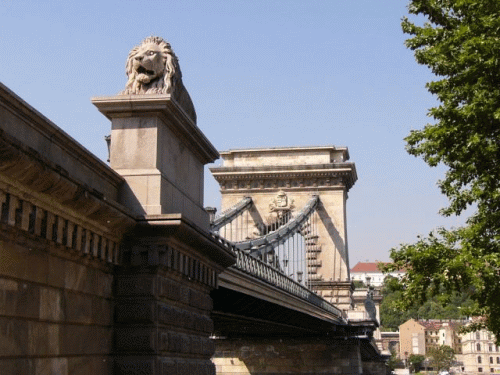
point(168, 81)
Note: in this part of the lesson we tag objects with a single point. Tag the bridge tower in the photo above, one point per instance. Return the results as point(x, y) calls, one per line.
point(283, 180)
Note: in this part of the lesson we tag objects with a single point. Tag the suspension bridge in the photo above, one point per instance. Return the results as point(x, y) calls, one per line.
point(283, 214)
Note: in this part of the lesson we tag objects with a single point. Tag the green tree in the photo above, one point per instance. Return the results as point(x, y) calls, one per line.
point(358, 284)
point(436, 307)
point(390, 316)
point(415, 361)
point(441, 357)
point(460, 43)
point(394, 362)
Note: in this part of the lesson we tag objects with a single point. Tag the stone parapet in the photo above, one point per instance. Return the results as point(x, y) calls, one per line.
point(291, 168)
point(42, 139)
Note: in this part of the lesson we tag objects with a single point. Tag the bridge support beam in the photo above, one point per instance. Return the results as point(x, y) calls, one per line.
point(252, 356)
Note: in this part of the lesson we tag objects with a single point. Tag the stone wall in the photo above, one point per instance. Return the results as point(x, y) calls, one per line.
point(55, 308)
point(299, 356)
point(59, 242)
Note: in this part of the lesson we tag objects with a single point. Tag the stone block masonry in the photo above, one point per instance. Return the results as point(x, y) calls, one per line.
point(55, 305)
point(274, 356)
point(59, 244)
point(162, 316)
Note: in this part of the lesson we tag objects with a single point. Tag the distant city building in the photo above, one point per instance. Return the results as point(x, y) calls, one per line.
point(475, 352)
point(479, 353)
point(364, 270)
point(418, 336)
point(389, 342)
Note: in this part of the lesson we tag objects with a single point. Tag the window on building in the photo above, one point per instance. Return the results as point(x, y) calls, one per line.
point(498, 360)
point(490, 348)
point(478, 336)
point(491, 359)
point(479, 369)
point(479, 359)
point(478, 347)
point(492, 370)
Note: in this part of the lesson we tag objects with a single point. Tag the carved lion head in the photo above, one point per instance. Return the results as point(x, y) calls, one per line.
point(152, 68)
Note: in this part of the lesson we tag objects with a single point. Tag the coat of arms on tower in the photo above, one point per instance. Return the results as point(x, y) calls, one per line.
point(281, 204)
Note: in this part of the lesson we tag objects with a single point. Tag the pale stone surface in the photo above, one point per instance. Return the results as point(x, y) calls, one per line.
point(160, 152)
point(23, 122)
point(291, 356)
point(284, 156)
point(50, 304)
point(153, 68)
point(51, 366)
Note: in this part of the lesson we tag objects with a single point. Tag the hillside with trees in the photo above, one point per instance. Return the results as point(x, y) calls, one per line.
point(436, 307)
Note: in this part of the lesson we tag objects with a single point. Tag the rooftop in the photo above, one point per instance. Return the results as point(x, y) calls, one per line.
point(368, 267)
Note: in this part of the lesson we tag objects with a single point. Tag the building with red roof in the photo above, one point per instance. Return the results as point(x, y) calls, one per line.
point(364, 270)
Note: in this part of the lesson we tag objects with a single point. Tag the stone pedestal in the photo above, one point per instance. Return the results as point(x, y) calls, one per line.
point(337, 292)
point(160, 152)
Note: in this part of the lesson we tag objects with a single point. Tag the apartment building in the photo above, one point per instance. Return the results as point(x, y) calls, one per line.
point(476, 352)
point(418, 336)
point(479, 353)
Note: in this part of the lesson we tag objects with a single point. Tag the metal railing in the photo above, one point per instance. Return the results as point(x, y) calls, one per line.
point(248, 252)
point(265, 272)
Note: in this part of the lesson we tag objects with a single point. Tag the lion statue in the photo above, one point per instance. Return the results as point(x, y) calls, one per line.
point(153, 68)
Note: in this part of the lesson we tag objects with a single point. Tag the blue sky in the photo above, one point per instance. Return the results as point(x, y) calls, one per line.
point(260, 73)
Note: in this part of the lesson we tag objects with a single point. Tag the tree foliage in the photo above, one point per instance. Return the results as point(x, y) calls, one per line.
point(394, 361)
point(460, 43)
point(441, 357)
point(415, 362)
point(436, 307)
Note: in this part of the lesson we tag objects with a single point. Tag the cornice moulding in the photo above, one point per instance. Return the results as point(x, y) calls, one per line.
point(168, 110)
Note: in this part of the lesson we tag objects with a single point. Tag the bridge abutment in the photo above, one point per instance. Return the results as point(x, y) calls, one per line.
point(162, 313)
point(287, 356)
